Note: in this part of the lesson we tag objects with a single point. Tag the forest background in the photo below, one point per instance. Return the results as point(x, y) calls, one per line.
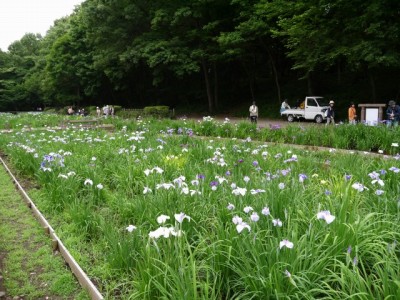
point(208, 56)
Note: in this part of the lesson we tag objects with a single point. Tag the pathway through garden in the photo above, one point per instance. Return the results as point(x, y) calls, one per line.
point(262, 122)
point(28, 267)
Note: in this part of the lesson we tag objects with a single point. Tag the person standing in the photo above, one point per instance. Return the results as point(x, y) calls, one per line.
point(284, 106)
point(106, 111)
point(330, 114)
point(352, 114)
point(98, 112)
point(393, 114)
point(70, 111)
point(253, 112)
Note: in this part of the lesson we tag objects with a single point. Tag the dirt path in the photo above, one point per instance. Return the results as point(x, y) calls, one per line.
point(28, 267)
point(262, 122)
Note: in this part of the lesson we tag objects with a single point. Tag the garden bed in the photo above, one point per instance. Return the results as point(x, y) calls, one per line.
point(152, 212)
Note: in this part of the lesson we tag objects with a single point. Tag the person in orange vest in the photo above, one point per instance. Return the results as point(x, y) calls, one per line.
point(352, 114)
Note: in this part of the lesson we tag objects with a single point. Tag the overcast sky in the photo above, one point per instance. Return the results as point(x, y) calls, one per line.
point(18, 17)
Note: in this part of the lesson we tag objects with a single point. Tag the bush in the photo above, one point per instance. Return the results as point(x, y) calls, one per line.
point(157, 111)
point(52, 110)
point(117, 109)
point(129, 113)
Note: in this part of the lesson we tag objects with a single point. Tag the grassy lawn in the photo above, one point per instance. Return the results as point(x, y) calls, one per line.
point(27, 264)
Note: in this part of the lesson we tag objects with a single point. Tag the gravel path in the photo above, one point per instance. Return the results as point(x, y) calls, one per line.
point(262, 122)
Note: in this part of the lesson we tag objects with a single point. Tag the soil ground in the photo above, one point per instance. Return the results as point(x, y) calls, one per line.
point(262, 122)
point(28, 267)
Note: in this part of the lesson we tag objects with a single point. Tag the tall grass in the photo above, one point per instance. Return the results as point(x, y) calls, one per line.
point(101, 183)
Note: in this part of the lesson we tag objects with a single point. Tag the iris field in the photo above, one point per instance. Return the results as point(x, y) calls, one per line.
point(207, 210)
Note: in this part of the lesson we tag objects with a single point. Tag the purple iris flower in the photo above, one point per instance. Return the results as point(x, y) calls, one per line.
point(394, 169)
point(302, 177)
point(275, 127)
point(349, 250)
point(347, 177)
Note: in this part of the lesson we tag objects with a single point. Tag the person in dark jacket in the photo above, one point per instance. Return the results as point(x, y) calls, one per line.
point(392, 114)
point(330, 114)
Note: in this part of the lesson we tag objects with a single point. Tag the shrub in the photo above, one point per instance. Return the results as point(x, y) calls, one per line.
point(91, 110)
point(129, 113)
point(52, 110)
point(157, 111)
point(117, 109)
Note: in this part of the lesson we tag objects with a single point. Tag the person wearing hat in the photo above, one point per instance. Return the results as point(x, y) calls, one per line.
point(330, 115)
point(352, 114)
point(98, 112)
point(393, 114)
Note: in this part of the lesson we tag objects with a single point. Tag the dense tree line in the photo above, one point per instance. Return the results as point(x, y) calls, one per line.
point(207, 55)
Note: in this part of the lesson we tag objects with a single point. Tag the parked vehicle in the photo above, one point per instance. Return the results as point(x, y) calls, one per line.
point(312, 108)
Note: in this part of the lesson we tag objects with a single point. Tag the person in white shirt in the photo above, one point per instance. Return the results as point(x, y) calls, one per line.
point(106, 111)
point(284, 106)
point(253, 112)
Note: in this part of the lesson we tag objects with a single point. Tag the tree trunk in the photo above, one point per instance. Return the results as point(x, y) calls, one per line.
point(339, 73)
point(274, 70)
point(208, 87)
point(372, 83)
point(309, 83)
point(78, 95)
point(250, 79)
point(276, 78)
point(216, 87)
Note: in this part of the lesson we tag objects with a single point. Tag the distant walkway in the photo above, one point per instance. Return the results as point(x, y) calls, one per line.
point(262, 122)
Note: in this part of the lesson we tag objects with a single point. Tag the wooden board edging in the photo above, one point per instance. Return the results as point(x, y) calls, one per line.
point(56, 242)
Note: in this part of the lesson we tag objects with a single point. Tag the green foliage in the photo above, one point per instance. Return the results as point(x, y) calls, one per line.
point(130, 113)
point(362, 44)
point(206, 55)
point(110, 181)
point(157, 111)
point(357, 254)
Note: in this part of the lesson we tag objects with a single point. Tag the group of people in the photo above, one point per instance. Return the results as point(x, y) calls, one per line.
point(392, 112)
point(80, 112)
point(107, 110)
